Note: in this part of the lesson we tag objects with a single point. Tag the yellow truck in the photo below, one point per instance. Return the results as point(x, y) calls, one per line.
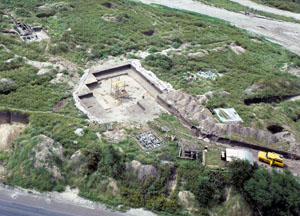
point(271, 158)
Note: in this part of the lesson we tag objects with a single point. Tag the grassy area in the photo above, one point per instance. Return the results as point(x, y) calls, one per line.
point(289, 5)
point(236, 7)
point(234, 205)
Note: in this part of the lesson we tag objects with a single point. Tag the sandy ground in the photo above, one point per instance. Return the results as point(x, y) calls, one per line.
point(8, 134)
point(134, 89)
point(264, 8)
point(43, 35)
point(284, 33)
point(125, 109)
point(65, 202)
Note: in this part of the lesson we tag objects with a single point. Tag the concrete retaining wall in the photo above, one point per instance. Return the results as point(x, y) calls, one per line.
point(112, 70)
point(147, 80)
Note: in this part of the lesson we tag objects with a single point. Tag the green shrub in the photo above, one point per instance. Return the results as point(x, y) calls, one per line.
point(276, 193)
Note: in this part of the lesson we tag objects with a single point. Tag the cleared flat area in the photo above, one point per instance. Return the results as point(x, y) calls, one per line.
point(135, 92)
point(264, 8)
point(286, 34)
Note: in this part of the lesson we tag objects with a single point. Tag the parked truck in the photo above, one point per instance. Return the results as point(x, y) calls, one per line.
point(271, 158)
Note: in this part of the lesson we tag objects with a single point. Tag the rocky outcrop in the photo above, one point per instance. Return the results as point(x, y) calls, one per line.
point(186, 199)
point(142, 172)
point(46, 153)
point(113, 187)
point(147, 171)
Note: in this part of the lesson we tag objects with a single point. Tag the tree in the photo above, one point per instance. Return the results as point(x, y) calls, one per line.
point(112, 162)
point(240, 171)
point(203, 190)
point(273, 193)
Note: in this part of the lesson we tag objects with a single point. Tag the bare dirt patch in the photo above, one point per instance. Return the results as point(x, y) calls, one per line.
point(237, 49)
point(9, 133)
point(60, 104)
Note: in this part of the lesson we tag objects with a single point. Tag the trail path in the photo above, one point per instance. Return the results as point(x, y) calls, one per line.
point(286, 34)
point(264, 8)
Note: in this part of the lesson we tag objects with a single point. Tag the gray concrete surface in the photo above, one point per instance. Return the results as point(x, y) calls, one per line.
point(286, 34)
point(17, 203)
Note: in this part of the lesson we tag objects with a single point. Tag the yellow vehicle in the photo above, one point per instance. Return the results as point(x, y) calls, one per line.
point(271, 158)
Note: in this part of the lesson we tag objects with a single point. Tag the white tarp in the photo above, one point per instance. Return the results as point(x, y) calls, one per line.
point(243, 154)
point(228, 115)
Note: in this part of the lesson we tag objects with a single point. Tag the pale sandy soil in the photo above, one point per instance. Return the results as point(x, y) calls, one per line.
point(8, 134)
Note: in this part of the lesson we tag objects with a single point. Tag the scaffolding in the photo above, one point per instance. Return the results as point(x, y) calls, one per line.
point(118, 89)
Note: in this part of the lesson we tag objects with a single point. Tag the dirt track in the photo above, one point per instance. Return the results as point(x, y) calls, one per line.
point(286, 34)
point(264, 8)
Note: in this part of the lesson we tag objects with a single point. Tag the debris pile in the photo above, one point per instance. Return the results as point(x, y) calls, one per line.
point(25, 32)
point(148, 140)
point(189, 108)
point(207, 75)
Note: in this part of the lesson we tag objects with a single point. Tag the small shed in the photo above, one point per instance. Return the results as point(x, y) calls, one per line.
point(243, 154)
point(189, 150)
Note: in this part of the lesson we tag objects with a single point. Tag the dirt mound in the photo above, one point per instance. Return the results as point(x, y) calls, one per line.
point(46, 14)
point(190, 108)
point(8, 134)
point(46, 152)
point(237, 49)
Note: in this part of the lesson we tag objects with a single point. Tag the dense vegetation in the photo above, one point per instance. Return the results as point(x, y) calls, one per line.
point(275, 193)
point(86, 31)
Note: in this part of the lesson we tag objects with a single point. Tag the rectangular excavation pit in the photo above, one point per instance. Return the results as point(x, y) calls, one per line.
point(91, 103)
point(122, 94)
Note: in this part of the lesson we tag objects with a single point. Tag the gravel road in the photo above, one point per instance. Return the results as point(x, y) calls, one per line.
point(264, 8)
point(286, 34)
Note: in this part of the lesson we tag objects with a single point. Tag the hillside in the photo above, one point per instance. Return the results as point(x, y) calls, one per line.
point(64, 127)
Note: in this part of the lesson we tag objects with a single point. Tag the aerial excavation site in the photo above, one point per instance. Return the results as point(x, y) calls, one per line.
point(120, 94)
point(150, 107)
